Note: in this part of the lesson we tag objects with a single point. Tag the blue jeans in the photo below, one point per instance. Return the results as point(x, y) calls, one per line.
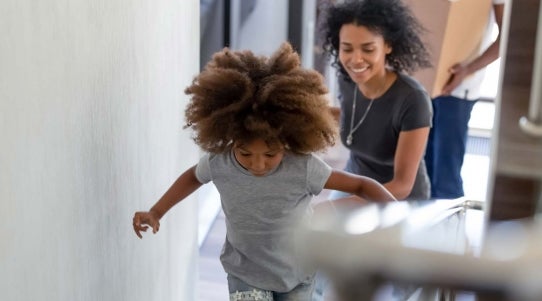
point(446, 146)
point(240, 291)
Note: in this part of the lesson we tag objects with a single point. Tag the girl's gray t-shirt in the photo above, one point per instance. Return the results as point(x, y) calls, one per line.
point(405, 106)
point(261, 214)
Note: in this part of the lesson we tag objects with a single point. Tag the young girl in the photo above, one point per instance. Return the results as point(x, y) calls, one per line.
point(259, 120)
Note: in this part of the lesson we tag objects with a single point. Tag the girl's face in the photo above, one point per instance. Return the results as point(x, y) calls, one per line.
point(362, 53)
point(257, 157)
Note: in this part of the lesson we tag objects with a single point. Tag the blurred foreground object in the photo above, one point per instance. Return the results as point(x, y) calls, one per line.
point(433, 247)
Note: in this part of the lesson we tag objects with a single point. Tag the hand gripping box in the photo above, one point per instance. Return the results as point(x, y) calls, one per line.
point(454, 32)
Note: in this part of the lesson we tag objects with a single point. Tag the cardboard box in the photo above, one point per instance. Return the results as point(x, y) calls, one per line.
point(454, 32)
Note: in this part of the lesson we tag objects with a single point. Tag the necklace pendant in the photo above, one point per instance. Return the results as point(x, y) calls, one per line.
point(349, 139)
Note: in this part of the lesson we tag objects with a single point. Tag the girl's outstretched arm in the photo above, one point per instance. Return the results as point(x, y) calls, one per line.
point(361, 186)
point(181, 188)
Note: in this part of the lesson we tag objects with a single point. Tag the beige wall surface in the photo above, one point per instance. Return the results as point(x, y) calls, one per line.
point(91, 115)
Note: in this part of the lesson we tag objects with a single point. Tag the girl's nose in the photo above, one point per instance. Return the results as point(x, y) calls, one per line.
point(258, 164)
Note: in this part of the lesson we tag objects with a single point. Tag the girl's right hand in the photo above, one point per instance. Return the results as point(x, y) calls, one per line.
point(143, 219)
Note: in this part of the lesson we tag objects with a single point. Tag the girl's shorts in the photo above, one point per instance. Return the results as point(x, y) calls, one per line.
point(240, 291)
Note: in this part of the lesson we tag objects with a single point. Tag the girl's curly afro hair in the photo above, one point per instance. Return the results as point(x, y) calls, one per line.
point(240, 96)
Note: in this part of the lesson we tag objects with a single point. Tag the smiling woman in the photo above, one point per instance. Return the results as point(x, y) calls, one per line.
point(385, 114)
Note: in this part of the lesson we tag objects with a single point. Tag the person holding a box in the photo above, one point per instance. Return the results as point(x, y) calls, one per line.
point(452, 110)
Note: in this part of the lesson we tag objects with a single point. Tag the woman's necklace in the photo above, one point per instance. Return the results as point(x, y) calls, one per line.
point(350, 138)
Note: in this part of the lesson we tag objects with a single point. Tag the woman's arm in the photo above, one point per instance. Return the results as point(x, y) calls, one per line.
point(180, 189)
point(361, 186)
point(408, 155)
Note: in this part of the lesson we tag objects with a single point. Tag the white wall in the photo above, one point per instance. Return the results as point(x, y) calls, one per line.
point(91, 115)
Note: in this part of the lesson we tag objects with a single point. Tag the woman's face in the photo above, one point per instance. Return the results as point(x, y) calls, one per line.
point(257, 157)
point(362, 52)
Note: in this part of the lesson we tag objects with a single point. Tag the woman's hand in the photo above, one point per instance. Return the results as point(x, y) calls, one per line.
point(143, 218)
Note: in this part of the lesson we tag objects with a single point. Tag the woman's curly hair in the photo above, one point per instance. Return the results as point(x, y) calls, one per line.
point(240, 96)
point(390, 18)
